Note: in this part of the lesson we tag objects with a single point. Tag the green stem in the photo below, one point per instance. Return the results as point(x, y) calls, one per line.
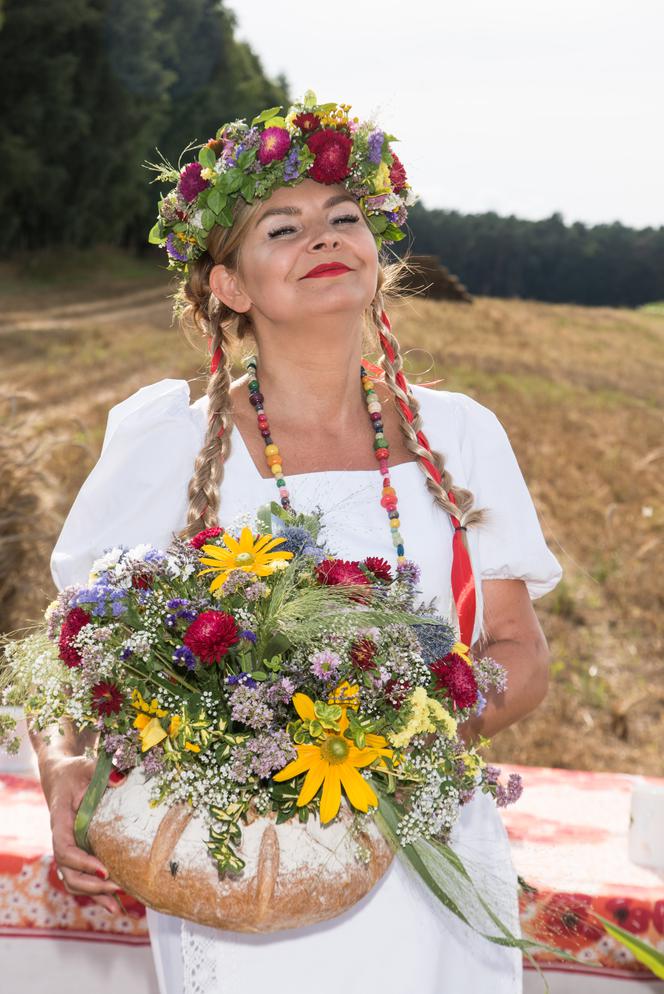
point(91, 798)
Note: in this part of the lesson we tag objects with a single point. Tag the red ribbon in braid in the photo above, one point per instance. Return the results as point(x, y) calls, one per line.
point(463, 582)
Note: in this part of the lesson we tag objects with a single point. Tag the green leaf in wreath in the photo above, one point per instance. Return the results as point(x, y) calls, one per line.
point(206, 157)
point(207, 219)
point(266, 115)
point(156, 236)
point(216, 201)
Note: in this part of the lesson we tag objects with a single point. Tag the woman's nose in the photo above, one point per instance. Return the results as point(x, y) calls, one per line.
point(333, 241)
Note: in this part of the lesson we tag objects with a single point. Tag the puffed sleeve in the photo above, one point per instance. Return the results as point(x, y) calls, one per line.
point(137, 491)
point(511, 545)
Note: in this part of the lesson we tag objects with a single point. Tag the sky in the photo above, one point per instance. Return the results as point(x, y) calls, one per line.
point(518, 106)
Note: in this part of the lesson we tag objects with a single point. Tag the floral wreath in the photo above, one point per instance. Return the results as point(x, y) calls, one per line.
point(315, 141)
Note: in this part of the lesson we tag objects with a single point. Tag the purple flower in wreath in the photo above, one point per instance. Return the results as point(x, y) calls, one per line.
point(176, 248)
point(375, 146)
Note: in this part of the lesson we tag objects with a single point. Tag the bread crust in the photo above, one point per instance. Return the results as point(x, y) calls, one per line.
point(296, 874)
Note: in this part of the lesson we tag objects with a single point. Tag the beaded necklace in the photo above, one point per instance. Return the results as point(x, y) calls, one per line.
point(381, 447)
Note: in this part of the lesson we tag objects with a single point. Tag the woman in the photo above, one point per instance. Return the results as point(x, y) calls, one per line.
point(294, 265)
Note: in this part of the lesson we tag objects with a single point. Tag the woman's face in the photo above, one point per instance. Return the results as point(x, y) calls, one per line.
point(296, 230)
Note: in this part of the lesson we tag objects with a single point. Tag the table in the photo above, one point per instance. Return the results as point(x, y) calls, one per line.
point(568, 834)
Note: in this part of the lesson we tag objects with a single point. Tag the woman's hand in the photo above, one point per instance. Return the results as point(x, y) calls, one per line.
point(65, 781)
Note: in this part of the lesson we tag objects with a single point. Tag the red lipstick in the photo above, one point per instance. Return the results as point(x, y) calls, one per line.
point(328, 269)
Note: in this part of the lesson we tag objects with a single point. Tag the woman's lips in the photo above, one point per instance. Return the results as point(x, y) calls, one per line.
point(328, 271)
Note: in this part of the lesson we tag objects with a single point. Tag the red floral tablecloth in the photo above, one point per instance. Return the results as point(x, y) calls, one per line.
point(569, 838)
point(33, 902)
point(569, 843)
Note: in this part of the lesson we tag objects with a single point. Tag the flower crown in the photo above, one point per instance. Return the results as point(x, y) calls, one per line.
point(315, 141)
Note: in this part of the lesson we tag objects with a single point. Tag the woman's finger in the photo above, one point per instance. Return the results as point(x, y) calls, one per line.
point(107, 903)
point(67, 854)
point(83, 883)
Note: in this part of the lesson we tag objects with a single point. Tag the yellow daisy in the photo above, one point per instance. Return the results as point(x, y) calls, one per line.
point(246, 554)
point(333, 761)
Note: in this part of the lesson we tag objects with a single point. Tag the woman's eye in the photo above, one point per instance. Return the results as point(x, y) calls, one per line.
point(280, 231)
point(352, 218)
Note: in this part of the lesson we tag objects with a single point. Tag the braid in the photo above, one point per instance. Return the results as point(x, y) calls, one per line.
point(455, 500)
point(201, 312)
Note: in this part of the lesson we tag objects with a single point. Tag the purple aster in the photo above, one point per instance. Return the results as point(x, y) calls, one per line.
point(511, 793)
point(324, 664)
point(191, 182)
point(281, 692)
point(409, 571)
point(376, 146)
point(185, 657)
point(249, 707)
point(292, 166)
point(153, 761)
point(174, 248)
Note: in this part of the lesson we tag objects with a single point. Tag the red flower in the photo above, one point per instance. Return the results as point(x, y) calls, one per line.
point(71, 626)
point(628, 914)
point(454, 675)
point(658, 916)
point(362, 654)
point(190, 183)
point(202, 537)
point(568, 919)
point(396, 692)
point(141, 581)
point(339, 571)
point(397, 174)
point(379, 567)
point(211, 635)
point(106, 698)
point(332, 150)
point(307, 122)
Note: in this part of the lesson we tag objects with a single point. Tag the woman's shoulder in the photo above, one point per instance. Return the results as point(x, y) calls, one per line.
point(164, 405)
point(453, 413)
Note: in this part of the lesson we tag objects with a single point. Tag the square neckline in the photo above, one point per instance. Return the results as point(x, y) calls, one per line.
point(318, 472)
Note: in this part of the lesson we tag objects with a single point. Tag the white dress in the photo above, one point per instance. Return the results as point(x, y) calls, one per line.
point(397, 940)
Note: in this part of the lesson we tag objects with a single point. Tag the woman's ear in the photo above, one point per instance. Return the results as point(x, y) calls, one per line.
point(226, 286)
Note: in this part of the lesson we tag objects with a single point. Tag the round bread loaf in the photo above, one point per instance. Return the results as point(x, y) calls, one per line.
point(295, 874)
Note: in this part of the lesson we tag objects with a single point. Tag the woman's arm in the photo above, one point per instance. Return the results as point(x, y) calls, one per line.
point(65, 774)
point(515, 640)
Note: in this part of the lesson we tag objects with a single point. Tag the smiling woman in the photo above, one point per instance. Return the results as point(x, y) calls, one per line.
point(278, 232)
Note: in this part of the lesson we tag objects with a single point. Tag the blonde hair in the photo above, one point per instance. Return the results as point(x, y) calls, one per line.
point(201, 312)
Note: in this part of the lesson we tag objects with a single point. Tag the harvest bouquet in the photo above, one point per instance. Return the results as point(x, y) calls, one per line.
point(286, 720)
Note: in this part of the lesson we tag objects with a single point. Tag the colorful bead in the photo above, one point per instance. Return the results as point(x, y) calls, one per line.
point(381, 449)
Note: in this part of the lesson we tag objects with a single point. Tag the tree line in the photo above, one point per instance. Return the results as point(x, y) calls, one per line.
point(91, 87)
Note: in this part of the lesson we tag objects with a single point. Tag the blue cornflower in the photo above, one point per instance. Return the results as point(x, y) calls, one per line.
point(242, 679)
point(185, 656)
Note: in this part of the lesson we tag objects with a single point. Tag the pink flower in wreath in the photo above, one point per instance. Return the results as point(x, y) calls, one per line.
point(274, 143)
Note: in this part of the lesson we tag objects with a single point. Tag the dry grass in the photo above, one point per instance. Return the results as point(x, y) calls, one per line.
point(579, 391)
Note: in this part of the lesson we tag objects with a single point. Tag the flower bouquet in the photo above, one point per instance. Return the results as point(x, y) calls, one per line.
point(286, 721)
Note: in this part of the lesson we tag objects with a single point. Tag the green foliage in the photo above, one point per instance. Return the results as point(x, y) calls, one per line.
point(95, 86)
point(603, 264)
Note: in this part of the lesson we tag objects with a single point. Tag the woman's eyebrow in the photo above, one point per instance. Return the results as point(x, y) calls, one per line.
point(337, 199)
